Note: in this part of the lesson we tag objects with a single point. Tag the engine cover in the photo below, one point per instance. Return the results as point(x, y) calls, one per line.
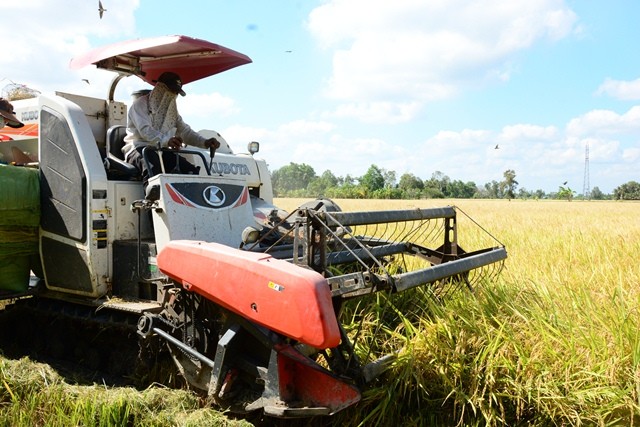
point(202, 208)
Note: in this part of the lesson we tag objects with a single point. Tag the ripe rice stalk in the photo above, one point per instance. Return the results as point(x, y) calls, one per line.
point(553, 341)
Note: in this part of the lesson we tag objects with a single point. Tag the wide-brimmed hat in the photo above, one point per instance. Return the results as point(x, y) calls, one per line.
point(6, 111)
point(172, 81)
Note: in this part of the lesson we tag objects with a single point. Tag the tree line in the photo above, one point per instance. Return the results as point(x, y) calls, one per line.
point(300, 180)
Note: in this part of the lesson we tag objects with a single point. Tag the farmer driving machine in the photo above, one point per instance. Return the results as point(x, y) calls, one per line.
point(254, 306)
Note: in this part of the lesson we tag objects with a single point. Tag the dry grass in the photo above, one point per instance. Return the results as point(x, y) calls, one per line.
point(33, 394)
point(554, 341)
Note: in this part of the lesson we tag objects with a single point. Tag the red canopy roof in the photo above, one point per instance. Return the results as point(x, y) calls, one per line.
point(192, 59)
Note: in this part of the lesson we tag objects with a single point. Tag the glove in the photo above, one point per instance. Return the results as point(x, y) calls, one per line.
point(175, 143)
point(212, 143)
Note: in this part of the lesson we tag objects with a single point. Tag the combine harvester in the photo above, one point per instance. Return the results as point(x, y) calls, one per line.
point(245, 298)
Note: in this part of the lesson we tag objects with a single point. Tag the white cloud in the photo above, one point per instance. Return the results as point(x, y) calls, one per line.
point(199, 106)
point(376, 112)
point(620, 89)
point(300, 141)
point(319, 144)
point(605, 122)
point(45, 35)
point(631, 155)
point(239, 136)
point(415, 51)
point(602, 150)
point(527, 133)
point(450, 140)
point(543, 157)
point(305, 128)
point(388, 60)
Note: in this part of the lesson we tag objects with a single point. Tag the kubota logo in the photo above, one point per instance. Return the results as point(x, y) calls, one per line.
point(214, 196)
point(222, 168)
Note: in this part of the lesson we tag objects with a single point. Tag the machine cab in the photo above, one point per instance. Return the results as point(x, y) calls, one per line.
point(92, 221)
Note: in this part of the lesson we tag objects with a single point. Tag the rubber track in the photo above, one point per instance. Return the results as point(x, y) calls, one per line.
point(85, 344)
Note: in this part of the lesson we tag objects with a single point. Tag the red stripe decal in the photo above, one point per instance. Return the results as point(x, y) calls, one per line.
point(177, 197)
point(243, 198)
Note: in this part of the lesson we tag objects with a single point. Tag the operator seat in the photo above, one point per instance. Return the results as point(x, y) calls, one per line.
point(117, 168)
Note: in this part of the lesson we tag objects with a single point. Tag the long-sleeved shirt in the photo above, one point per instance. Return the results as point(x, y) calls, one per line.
point(141, 132)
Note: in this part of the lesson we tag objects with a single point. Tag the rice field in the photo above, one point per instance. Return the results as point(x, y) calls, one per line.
point(554, 340)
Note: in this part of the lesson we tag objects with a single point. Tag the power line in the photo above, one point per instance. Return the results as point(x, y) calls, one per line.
point(586, 188)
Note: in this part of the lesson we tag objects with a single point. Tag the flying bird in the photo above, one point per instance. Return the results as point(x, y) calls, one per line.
point(496, 147)
point(86, 81)
point(101, 9)
point(565, 183)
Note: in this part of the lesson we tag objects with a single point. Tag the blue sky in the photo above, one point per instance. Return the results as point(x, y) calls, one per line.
point(413, 86)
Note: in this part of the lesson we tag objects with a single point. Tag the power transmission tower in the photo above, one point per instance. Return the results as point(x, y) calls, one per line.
point(586, 188)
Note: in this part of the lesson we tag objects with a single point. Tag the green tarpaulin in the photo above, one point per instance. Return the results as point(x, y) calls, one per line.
point(19, 221)
point(19, 197)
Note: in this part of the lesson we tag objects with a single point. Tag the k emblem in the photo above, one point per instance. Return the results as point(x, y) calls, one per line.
point(214, 196)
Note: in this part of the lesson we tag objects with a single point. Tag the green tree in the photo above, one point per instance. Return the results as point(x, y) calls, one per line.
point(493, 190)
point(409, 181)
point(387, 193)
point(348, 180)
point(565, 193)
point(627, 191)
point(509, 184)
point(523, 193)
point(290, 178)
point(320, 185)
point(432, 193)
point(597, 194)
point(411, 186)
point(438, 181)
point(539, 194)
point(460, 190)
point(389, 178)
point(373, 179)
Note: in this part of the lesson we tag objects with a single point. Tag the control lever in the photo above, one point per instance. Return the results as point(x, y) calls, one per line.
point(176, 168)
point(212, 152)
